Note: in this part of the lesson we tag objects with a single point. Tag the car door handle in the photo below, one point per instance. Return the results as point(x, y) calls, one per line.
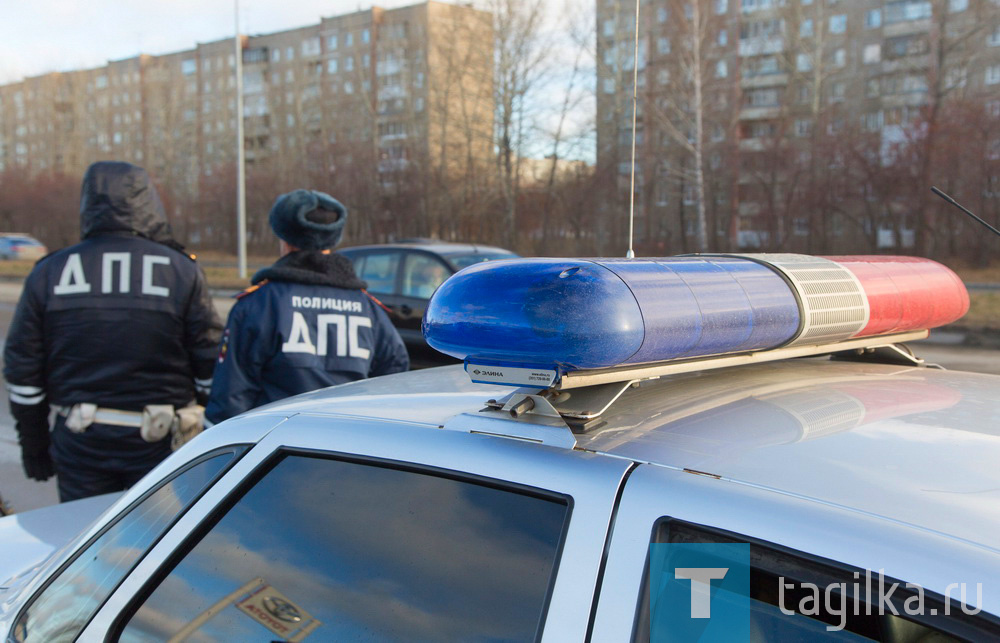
point(406, 310)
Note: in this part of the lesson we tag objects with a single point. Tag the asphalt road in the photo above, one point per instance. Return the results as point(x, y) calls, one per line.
point(22, 494)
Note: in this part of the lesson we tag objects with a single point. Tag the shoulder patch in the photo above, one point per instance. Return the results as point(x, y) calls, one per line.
point(252, 289)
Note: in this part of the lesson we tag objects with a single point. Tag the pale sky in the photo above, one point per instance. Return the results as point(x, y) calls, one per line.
point(39, 36)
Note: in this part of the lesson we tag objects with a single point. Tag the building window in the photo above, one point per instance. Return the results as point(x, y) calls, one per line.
point(188, 67)
point(838, 23)
point(663, 76)
point(349, 63)
point(366, 36)
point(803, 62)
point(803, 127)
point(661, 16)
point(331, 66)
point(872, 88)
point(722, 38)
point(873, 121)
point(349, 39)
point(873, 18)
point(872, 54)
point(348, 88)
point(993, 75)
point(310, 46)
point(993, 108)
point(904, 10)
point(721, 7)
point(762, 97)
point(721, 69)
point(993, 40)
point(609, 85)
point(276, 55)
point(837, 91)
point(290, 53)
point(956, 77)
point(839, 58)
point(957, 5)
point(663, 45)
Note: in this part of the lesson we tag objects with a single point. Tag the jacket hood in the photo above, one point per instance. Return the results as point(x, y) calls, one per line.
point(120, 197)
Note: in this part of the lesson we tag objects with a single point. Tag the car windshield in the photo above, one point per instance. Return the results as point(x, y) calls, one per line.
point(462, 261)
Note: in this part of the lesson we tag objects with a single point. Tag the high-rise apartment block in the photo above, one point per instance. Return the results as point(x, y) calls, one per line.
point(373, 91)
point(763, 101)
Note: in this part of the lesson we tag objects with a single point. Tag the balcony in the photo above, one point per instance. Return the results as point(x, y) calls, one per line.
point(761, 46)
point(763, 80)
point(759, 113)
point(906, 28)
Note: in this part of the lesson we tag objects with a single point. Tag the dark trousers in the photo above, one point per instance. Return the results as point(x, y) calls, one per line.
point(102, 459)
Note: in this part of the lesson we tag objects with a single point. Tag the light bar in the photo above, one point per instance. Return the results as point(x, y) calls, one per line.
point(529, 321)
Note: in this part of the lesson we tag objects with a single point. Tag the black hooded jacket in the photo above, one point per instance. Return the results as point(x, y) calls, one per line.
point(122, 319)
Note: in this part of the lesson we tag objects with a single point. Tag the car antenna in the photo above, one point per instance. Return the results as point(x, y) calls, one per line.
point(635, 89)
point(963, 209)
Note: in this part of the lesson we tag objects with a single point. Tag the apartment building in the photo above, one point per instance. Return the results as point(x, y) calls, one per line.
point(767, 94)
point(372, 92)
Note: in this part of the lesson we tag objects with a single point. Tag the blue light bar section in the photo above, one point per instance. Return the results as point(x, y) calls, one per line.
point(564, 313)
point(699, 306)
point(572, 314)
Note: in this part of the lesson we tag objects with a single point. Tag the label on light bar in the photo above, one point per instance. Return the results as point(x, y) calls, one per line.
point(510, 375)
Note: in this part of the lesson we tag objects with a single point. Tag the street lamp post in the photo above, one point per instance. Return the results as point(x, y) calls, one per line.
point(241, 191)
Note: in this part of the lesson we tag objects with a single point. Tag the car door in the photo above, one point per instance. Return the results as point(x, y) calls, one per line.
point(679, 534)
point(343, 527)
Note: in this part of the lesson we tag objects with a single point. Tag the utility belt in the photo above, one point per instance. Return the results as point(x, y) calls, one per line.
point(154, 422)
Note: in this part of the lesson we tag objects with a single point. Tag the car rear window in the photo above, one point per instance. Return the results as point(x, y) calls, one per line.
point(379, 270)
point(348, 550)
point(792, 596)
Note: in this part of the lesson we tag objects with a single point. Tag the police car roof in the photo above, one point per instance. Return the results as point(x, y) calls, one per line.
point(907, 444)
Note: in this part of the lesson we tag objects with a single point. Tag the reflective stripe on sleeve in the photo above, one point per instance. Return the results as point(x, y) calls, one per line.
point(24, 390)
point(27, 401)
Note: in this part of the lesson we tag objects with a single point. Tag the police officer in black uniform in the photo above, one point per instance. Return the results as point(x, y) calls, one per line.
point(114, 333)
point(307, 322)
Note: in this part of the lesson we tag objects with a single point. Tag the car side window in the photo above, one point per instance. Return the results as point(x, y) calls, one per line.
point(422, 274)
point(67, 603)
point(351, 550)
point(379, 270)
point(792, 595)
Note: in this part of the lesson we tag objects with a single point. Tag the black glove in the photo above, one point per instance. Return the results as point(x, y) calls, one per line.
point(35, 453)
point(38, 467)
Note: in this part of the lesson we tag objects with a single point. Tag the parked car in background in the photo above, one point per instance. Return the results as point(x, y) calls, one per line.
point(21, 246)
point(404, 275)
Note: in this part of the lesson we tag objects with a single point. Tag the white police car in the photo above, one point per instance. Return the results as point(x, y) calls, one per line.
point(655, 496)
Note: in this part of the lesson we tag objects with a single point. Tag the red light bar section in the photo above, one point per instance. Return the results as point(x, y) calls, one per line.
point(907, 293)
